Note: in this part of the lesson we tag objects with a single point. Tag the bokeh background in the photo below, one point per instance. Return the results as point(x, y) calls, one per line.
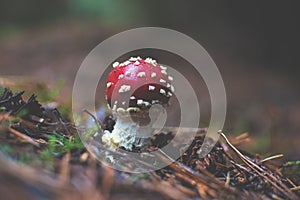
point(255, 44)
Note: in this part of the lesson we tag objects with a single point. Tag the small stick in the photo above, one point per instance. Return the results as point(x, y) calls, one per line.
point(271, 158)
point(227, 183)
point(291, 182)
point(295, 188)
point(240, 139)
point(23, 136)
point(242, 136)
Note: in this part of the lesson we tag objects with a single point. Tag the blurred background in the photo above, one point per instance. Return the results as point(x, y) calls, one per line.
point(254, 44)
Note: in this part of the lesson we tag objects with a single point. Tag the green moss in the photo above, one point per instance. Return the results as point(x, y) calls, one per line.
point(59, 145)
point(25, 158)
point(6, 149)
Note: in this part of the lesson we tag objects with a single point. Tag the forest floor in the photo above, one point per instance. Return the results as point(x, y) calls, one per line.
point(42, 156)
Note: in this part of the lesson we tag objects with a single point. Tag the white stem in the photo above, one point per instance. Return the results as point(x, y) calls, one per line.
point(127, 133)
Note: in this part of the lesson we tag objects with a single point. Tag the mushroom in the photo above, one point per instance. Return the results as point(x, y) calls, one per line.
point(133, 87)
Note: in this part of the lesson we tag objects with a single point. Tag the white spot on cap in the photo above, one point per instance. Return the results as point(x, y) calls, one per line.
point(148, 60)
point(133, 59)
point(124, 102)
point(109, 84)
point(151, 87)
point(162, 81)
point(140, 102)
point(146, 103)
point(164, 72)
point(153, 62)
point(172, 88)
point(115, 105)
point(124, 88)
point(169, 94)
point(153, 74)
point(162, 91)
point(163, 67)
point(132, 97)
point(141, 74)
point(137, 62)
point(168, 85)
point(155, 101)
point(170, 78)
point(139, 58)
point(121, 76)
point(116, 64)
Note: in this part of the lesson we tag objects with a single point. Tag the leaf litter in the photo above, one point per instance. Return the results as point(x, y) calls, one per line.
point(42, 149)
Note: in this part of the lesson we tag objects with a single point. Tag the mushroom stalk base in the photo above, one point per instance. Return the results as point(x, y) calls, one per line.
point(128, 134)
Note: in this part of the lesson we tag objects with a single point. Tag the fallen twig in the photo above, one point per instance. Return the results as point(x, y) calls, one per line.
point(23, 137)
point(271, 158)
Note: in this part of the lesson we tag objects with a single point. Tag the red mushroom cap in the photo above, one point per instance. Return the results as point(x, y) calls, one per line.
point(138, 83)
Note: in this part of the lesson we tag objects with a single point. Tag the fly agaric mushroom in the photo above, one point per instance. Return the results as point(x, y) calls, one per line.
point(132, 88)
